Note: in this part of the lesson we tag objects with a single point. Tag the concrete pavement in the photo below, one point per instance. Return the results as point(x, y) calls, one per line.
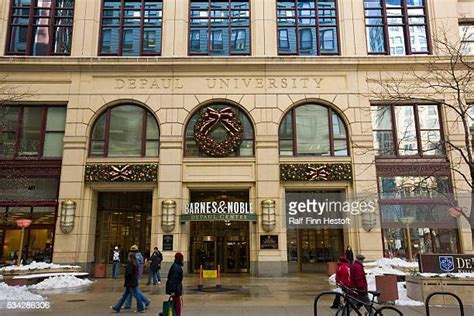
point(292, 295)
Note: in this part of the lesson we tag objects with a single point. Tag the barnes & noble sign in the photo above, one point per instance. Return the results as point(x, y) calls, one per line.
point(219, 211)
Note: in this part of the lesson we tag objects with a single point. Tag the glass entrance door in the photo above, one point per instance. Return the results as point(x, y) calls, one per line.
point(204, 254)
point(236, 254)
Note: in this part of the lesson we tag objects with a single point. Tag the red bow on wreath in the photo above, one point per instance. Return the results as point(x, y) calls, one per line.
point(225, 116)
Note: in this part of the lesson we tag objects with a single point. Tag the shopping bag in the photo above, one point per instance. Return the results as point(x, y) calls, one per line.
point(169, 308)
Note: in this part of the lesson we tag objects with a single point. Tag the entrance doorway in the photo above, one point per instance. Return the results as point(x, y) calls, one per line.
point(123, 219)
point(224, 244)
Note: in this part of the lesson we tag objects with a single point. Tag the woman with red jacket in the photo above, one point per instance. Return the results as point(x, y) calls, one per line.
point(343, 273)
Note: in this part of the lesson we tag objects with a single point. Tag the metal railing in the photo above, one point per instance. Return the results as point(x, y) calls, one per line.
point(429, 297)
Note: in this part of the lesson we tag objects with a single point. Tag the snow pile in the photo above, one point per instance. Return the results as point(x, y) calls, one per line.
point(17, 293)
point(60, 282)
point(448, 275)
point(403, 299)
point(37, 266)
point(394, 262)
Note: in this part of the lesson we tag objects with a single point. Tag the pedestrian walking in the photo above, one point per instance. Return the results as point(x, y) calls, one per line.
point(140, 261)
point(359, 282)
point(174, 284)
point(116, 262)
point(342, 278)
point(155, 265)
point(131, 285)
point(349, 254)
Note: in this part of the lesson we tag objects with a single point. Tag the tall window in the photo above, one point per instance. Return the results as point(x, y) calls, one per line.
point(41, 27)
point(313, 130)
point(31, 132)
point(219, 27)
point(220, 133)
point(407, 130)
point(307, 27)
point(131, 27)
point(125, 131)
point(396, 27)
point(466, 32)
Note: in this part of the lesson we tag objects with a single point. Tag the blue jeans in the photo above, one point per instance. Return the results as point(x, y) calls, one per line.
point(129, 291)
point(155, 275)
point(115, 269)
point(143, 299)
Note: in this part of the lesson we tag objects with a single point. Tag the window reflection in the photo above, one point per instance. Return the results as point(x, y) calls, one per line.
point(307, 27)
point(313, 130)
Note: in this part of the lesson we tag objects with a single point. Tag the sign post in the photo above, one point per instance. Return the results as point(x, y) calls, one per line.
point(23, 223)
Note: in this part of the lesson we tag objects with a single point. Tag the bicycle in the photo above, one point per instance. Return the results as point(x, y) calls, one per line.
point(352, 302)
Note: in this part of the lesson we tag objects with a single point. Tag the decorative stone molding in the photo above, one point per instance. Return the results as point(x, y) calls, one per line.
point(121, 173)
point(316, 172)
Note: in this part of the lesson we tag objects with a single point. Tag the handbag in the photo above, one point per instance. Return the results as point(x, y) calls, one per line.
point(169, 308)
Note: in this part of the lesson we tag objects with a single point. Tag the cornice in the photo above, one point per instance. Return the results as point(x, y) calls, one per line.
point(187, 64)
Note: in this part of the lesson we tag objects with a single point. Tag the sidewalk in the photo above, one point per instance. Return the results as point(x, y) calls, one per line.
point(293, 295)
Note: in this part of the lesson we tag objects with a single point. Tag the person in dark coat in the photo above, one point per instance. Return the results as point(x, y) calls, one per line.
point(342, 277)
point(131, 285)
point(155, 266)
point(349, 254)
point(174, 284)
point(359, 281)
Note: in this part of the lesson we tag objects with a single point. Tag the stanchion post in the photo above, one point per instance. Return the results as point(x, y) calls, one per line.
point(200, 277)
point(218, 285)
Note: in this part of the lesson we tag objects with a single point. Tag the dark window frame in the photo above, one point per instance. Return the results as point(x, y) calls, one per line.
point(210, 29)
point(106, 134)
point(418, 131)
point(316, 27)
point(405, 25)
point(142, 26)
point(294, 138)
point(236, 154)
point(43, 132)
point(52, 25)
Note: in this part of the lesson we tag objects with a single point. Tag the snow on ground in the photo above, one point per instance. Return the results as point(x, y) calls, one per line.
point(393, 262)
point(37, 266)
point(17, 293)
point(51, 274)
point(60, 282)
point(403, 299)
point(448, 275)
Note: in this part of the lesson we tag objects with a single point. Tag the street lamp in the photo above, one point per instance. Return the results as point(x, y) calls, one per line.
point(168, 209)
point(68, 211)
point(407, 221)
point(268, 215)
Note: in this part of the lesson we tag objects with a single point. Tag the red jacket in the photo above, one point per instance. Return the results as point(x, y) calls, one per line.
point(343, 274)
point(358, 280)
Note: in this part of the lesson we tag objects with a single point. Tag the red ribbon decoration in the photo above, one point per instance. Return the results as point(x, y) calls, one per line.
point(211, 117)
point(318, 173)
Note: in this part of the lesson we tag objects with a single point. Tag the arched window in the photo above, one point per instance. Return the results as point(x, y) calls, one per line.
point(125, 131)
point(219, 133)
point(313, 130)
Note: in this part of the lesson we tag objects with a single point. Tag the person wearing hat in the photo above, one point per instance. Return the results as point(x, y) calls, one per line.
point(131, 285)
point(359, 281)
point(174, 284)
point(115, 262)
point(128, 303)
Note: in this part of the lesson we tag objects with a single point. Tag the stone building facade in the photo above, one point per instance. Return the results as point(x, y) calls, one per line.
point(121, 187)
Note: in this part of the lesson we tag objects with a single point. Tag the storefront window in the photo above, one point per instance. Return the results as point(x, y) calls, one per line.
point(125, 131)
point(313, 130)
point(41, 132)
